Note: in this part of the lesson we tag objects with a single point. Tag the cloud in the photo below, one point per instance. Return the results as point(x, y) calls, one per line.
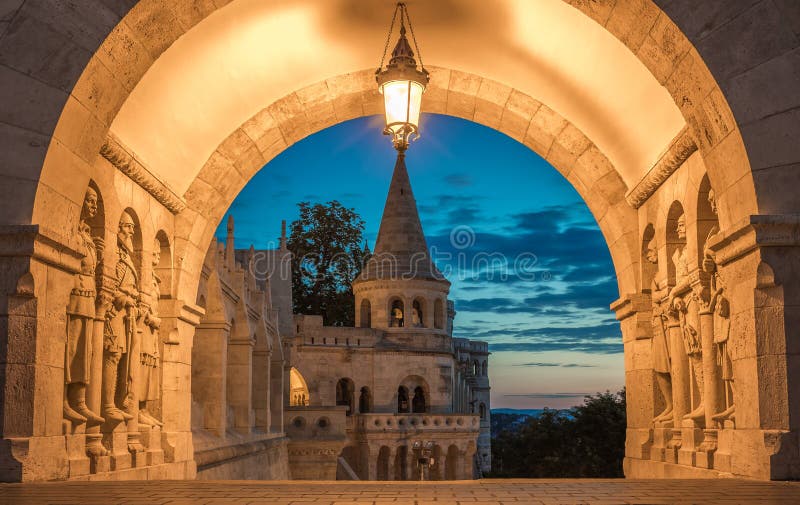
point(586, 346)
point(458, 180)
point(562, 365)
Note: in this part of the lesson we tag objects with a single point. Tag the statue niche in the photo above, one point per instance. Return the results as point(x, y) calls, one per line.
point(719, 307)
point(80, 321)
point(682, 305)
point(148, 384)
point(120, 329)
point(660, 346)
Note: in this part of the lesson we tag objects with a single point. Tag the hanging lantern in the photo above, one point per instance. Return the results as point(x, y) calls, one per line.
point(401, 83)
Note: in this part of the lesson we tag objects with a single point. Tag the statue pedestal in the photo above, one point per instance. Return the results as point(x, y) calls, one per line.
point(661, 439)
point(722, 457)
point(705, 453)
point(117, 441)
point(692, 437)
point(101, 464)
point(79, 463)
point(673, 446)
point(151, 438)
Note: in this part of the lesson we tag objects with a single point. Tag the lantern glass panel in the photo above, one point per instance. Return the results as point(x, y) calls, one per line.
point(396, 100)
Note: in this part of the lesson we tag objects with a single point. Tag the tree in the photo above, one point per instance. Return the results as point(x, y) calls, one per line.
point(584, 441)
point(326, 244)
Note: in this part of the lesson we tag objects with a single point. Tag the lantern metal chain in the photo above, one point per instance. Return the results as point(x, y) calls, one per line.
point(414, 38)
point(389, 36)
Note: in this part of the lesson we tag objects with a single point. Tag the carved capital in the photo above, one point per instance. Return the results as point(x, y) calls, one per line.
point(679, 150)
point(122, 158)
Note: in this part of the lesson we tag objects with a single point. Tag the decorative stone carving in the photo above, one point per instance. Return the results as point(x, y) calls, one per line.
point(120, 330)
point(660, 348)
point(679, 299)
point(80, 322)
point(114, 151)
point(682, 146)
point(148, 383)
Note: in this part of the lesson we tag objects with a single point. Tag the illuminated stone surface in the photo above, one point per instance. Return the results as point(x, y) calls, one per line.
point(645, 107)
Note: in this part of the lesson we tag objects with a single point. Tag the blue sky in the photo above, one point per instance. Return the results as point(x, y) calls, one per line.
point(530, 271)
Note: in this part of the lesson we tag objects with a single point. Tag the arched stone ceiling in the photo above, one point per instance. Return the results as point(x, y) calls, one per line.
point(253, 52)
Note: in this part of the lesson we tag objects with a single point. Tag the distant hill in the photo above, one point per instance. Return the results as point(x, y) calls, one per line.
point(521, 412)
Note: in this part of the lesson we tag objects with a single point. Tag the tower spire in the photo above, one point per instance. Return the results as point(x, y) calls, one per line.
point(401, 251)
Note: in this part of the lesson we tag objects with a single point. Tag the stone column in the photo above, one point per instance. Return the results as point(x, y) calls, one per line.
point(680, 384)
point(239, 381)
point(711, 387)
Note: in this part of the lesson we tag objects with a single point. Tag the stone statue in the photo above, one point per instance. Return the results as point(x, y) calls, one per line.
point(80, 322)
point(148, 386)
point(120, 329)
point(397, 316)
point(691, 338)
point(660, 346)
point(720, 308)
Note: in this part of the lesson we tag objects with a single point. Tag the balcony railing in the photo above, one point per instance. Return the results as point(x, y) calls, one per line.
point(417, 422)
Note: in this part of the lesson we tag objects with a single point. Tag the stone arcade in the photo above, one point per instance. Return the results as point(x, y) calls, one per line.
point(128, 128)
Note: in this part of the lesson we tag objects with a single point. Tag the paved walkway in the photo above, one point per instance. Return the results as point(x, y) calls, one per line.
point(540, 491)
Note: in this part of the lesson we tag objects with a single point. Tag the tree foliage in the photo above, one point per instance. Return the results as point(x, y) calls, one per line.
point(326, 244)
point(584, 441)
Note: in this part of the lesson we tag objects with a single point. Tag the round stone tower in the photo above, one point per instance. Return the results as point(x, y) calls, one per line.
point(400, 287)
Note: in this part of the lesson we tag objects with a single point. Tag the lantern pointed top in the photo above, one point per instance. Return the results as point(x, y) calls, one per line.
point(402, 82)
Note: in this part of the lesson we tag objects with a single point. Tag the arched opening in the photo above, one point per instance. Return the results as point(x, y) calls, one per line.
point(419, 405)
point(366, 314)
point(365, 401)
point(401, 463)
point(345, 393)
point(438, 314)
point(298, 389)
point(693, 69)
point(485, 368)
point(437, 463)
point(452, 463)
point(382, 467)
point(418, 313)
point(482, 411)
point(476, 368)
point(402, 400)
point(396, 313)
point(351, 455)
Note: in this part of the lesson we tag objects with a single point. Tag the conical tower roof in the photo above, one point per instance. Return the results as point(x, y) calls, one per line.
point(401, 252)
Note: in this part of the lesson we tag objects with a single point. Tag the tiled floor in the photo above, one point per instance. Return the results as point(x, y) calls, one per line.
point(720, 491)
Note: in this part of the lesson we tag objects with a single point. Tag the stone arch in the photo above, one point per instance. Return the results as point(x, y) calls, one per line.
point(298, 389)
point(365, 401)
point(345, 394)
point(164, 267)
point(383, 463)
point(403, 400)
point(74, 106)
point(452, 463)
point(396, 319)
point(419, 305)
point(438, 314)
point(649, 257)
point(672, 240)
point(365, 320)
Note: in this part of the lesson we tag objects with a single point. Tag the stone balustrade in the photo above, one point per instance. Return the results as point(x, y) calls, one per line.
point(417, 423)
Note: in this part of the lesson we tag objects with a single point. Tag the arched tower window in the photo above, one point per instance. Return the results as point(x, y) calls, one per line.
point(482, 411)
point(366, 314)
point(345, 392)
point(417, 313)
point(418, 404)
point(485, 368)
point(402, 400)
point(438, 314)
point(397, 314)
